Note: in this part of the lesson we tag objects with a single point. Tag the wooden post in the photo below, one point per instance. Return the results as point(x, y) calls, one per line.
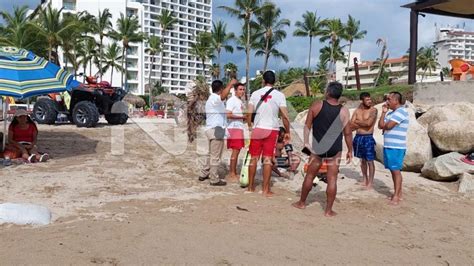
point(306, 84)
point(413, 46)
point(356, 70)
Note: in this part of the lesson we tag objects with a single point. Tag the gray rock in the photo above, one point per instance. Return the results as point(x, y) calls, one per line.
point(446, 167)
point(453, 135)
point(462, 111)
point(466, 183)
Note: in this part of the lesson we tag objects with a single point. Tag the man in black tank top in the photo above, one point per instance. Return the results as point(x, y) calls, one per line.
point(329, 121)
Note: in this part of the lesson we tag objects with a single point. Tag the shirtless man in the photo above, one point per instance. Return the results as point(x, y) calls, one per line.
point(363, 122)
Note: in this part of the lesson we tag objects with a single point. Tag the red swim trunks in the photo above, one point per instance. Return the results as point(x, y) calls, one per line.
point(235, 141)
point(263, 142)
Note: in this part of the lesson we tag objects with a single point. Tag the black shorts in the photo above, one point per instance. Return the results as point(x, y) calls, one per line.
point(282, 162)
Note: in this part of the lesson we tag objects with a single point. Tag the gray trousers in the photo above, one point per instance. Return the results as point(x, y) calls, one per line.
point(212, 160)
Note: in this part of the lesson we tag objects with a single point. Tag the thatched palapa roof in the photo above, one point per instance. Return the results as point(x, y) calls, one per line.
point(135, 100)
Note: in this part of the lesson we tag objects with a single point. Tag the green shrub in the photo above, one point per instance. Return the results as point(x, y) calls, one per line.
point(300, 103)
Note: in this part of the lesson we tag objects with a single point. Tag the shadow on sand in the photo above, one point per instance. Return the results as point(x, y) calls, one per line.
point(65, 144)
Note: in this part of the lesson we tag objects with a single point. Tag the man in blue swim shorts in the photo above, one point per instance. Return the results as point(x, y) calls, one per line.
point(394, 124)
point(363, 121)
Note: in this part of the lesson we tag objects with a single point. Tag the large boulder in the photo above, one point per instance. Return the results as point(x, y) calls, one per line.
point(461, 111)
point(453, 135)
point(466, 183)
point(418, 142)
point(446, 167)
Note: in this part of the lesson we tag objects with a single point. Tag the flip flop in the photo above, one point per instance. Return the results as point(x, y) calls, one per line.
point(44, 157)
point(32, 158)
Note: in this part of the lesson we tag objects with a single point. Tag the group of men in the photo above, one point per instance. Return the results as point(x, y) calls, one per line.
point(330, 123)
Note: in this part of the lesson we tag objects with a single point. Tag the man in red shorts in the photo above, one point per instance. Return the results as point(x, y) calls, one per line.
point(264, 129)
point(235, 127)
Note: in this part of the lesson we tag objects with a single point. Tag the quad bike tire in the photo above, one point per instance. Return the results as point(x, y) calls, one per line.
point(45, 111)
point(116, 119)
point(85, 114)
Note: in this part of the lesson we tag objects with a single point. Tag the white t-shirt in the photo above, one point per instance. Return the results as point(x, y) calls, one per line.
point(267, 113)
point(235, 105)
point(215, 112)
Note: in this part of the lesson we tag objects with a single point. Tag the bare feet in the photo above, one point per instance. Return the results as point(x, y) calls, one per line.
point(368, 187)
point(268, 194)
point(250, 189)
point(394, 201)
point(299, 205)
point(330, 213)
point(232, 178)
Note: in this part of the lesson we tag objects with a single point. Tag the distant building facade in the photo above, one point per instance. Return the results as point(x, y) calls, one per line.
point(454, 43)
point(179, 66)
point(368, 71)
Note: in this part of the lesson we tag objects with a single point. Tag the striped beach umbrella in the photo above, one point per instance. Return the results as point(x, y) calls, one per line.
point(23, 74)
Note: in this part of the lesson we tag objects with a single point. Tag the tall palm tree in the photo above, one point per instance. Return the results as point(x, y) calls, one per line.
point(101, 26)
point(127, 32)
point(90, 52)
point(311, 26)
point(202, 49)
point(167, 20)
point(268, 49)
point(18, 33)
point(333, 30)
point(215, 71)
point(426, 60)
point(154, 47)
point(272, 30)
point(230, 70)
point(220, 40)
point(380, 62)
point(332, 53)
point(112, 57)
point(245, 9)
point(50, 25)
point(353, 32)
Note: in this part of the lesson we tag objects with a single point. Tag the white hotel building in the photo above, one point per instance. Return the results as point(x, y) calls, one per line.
point(179, 66)
point(454, 43)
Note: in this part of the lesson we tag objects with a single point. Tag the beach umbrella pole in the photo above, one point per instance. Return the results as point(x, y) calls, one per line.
point(4, 124)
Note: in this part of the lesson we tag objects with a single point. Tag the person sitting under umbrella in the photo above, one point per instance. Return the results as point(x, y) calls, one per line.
point(22, 136)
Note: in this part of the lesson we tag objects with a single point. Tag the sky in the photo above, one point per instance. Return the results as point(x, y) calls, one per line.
point(380, 18)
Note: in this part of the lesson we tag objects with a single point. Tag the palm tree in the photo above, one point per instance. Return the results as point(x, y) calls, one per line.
point(154, 47)
point(272, 29)
point(202, 49)
point(242, 43)
point(268, 49)
point(321, 79)
point(332, 53)
point(353, 32)
point(127, 32)
point(167, 20)
point(18, 33)
point(426, 60)
point(333, 30)
point(215, 71)
point(230, 70)
point(51, 26)
point(380, 62)
point(102, 25)
point(90, 52)
point(220, 39)
point(112, 56)
point(310, 26)
point(245, 9)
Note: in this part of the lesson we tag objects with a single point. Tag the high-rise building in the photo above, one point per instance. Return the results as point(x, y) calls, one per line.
point(179, 66)
point(454, 43)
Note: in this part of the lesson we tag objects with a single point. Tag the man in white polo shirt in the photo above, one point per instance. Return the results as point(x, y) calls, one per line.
point(235, 127)
point(265, 129)
point(215, 131)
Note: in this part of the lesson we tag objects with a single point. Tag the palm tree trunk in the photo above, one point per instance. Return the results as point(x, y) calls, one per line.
point(90, 67)
point(219, 63)
point(123, 58)
point(50, 51)
point(111, 75)
point(309, 57)
point(267, 55)
point(126, 73)
point(161, 57)
point(203, 68)
point(348, 61)
point(149, 80)
point(100, 58)
point(247, 61)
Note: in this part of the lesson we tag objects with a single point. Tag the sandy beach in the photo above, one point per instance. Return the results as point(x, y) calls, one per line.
point(141, 203)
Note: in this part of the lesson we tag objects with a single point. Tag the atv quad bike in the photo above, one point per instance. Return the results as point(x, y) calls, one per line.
point(83, 105)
